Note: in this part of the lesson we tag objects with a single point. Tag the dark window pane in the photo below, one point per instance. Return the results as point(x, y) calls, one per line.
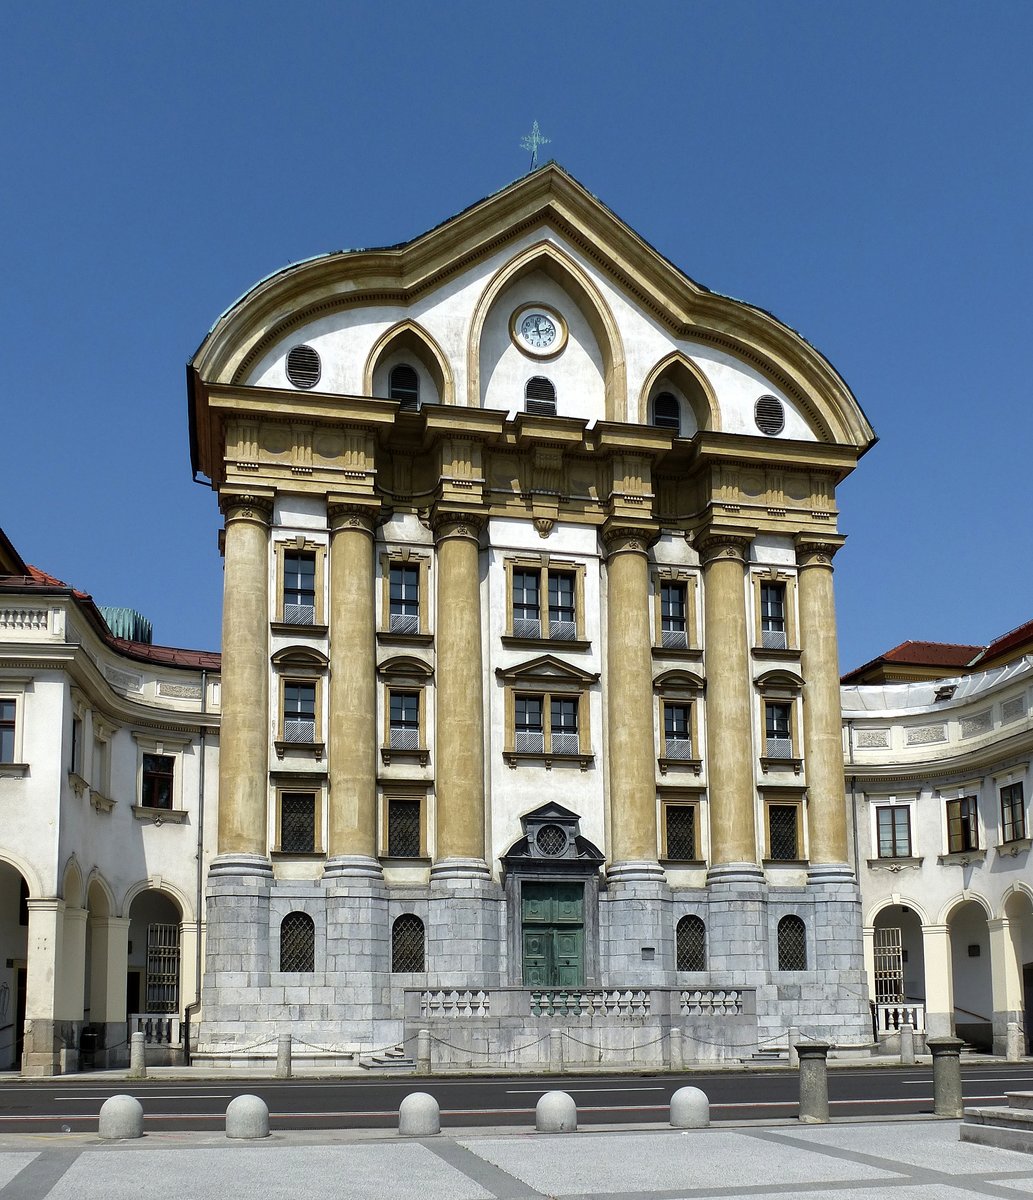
point(782, 832)
point(691, 937)
point(665, 412)
point(403, 828)
point(158, 774)
point(681, 832)
point(407, 944)
point(404, 385)
point(298, 823)
point(297, 943)
point(792, 944)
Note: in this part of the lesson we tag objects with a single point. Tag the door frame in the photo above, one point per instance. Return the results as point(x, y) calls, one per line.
point(514, 886)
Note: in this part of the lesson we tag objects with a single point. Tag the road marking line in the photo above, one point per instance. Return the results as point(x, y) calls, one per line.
point(542, 1091)
point(152, 1096)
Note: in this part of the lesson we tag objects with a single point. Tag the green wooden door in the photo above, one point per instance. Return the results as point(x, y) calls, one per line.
point(552, 916)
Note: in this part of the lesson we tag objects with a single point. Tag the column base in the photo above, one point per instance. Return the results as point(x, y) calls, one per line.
point(239, 865)
point(636, 871)
point(831, 873)
point(740, 872)
point(352, 866)
point(460, 868)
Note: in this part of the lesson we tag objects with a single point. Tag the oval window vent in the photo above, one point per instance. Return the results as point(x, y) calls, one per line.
point(769, 415)
point(303, 366)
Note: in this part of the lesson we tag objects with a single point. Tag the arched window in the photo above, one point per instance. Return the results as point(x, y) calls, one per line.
point(407, 944)
point(792, 944)
point(692, 944)
point(404, 385)
point(540, 396)
point(666, 413)
point(297, 943)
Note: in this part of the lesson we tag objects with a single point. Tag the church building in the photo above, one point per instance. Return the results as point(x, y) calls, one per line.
point(530, 698)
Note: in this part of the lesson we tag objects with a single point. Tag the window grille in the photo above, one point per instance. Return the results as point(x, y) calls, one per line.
point(403, 828)
point(681, 832)
point(404, 385)
point(666, 413)
point(783, 835)
point(162, 968)
point(691, 938)
point(551, 840)
point(158, 776)
point(792, 944)
point(298, 823)
point(565, 743)
point(299, 614)
point(408, 944)
point(894, 829)
point(769, 415)
point(527, 628)
point(297, 943)
point(678, 748)
point(299, 729)
point(529, 742)
point(303, 366)
point(1013, 815)
point(889, 966)
point(540, 397)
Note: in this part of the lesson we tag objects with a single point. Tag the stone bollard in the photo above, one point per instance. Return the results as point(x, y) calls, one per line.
point(794, 1037)
point(677, 1051)
point(946, 1052)
point(556, 1112)
point(120, 1117)
point(138, 1056)
point(419, 1115)
point(247, 1117)
point(1015, 1046)
point(423, 1052)
point(690, 1109)
point(283, 1056)
point(907, 1045)
point(814, 1083)
point(556, 1049)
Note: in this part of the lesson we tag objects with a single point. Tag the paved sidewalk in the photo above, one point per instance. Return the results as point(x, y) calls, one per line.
point(898, 1160)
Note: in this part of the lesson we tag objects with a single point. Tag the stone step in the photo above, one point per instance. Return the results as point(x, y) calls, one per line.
point(1022, 1100)
point(393, 1059)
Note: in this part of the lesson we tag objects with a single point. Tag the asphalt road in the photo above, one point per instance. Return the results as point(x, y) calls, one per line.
point(372, 1103)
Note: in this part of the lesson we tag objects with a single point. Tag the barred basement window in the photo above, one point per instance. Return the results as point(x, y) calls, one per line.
point(404, 385)
point(692, 944)
point(303, 368)
point(407, 944)
point(540, 397)
point(792, 944)
point(297, 943)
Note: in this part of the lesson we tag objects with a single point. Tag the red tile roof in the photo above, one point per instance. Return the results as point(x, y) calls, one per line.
point(932, 654)
point(1008, 641)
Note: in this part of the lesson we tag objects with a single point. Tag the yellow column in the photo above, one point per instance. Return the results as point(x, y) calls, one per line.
point(459, 753)
point(630, 705)
point(730, 752)
point(939, 982)
point(822, 711)
point(244, 734)
point(353, 694)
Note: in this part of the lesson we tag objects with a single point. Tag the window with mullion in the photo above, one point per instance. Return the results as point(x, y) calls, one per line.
point(530, 726)
point(677, 730)
point(562, 619)
point(8, 711)
point(299, 588)
point(778, 730)
point(299, 712)
point(962, 825)
point(894, 829)
point(1013, 815)
point(527, 613)
point(673, 615)
point(404, 598)
point(563, 725)
point(405, 720)
point(773, 615)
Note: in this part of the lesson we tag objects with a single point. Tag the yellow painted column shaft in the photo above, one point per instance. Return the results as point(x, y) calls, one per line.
point(631, 705)
point(822, 711)
point(244, 736)
point(730, 753)
point(459, 755)
point(353, 686)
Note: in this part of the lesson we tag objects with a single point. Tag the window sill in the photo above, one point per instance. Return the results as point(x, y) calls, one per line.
point(160, 816)
point(961, 858)
point(404, 860)
point(781, 764)
point(798, 863)
point(513, 758)
point(386, 638)
point(288, 627)
point(102, 803)
point(693, 764)
point(78, 784)
point(686, 654)
point(315, 749)
point(522, 643)
point(421, 755)
point(306, 855)
point(13, 770)
point(1014, 848)
point(766, 652)
point(894, 864)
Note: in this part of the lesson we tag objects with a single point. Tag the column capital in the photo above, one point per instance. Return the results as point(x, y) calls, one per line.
point(716, 544)
point(817, 550)
point(45, 904)
point(623, 537)
point(346, 514)
point(448, 524)
point(247, 506)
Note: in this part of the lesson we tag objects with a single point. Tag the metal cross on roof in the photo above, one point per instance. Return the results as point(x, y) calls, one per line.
point(532, 141)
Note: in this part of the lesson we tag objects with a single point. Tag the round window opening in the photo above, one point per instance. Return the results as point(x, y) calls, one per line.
point(551, 840)
point(303, 367)
point(769, 415)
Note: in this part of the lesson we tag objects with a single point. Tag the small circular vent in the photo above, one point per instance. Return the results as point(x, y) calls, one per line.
point(303, 366)
point(551, 840)
point(769, 415)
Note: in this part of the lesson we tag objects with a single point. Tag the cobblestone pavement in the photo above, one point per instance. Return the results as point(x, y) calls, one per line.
point(897, 1160)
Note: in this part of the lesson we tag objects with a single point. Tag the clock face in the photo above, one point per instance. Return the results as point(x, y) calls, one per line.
point(538, 330)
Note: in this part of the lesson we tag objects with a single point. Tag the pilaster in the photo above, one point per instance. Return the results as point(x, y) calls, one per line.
point(41, 1053)
point(939, 983)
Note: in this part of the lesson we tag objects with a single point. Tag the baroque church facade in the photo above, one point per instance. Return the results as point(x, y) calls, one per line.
point(530, 700)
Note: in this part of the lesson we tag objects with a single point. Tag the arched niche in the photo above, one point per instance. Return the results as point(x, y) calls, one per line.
point(100, 899)
point(408, 343)
point(73, 891)
point(545, 274)
point(697, 401)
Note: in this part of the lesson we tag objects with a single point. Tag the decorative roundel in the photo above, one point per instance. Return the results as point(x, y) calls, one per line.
point(538, 330)
point(769, 415)
point(303, 366)
point(551, 840)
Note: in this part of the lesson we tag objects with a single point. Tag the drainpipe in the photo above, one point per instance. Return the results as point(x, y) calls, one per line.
point(195, 1004)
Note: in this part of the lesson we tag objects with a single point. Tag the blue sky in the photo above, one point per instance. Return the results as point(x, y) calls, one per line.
point(861, 170)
